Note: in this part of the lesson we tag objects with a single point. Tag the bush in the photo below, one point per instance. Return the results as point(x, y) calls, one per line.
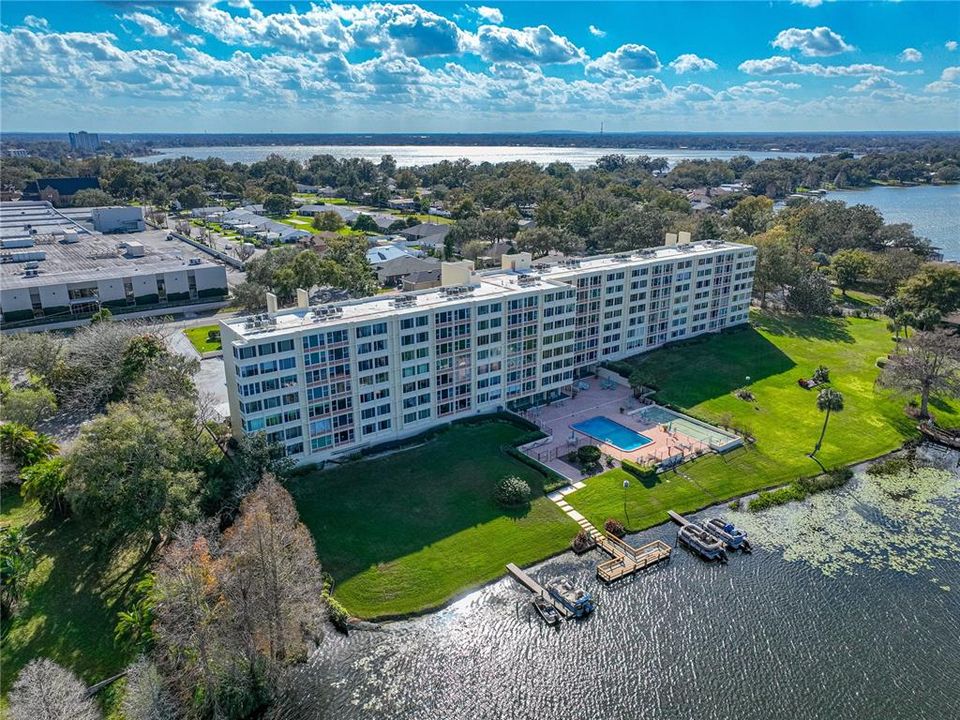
point(890, 466)
point(511, 491)
point(552, 479)
point(882, 361)
point(583, 542)
point(615, 528)
point(641, 472)
point(588, 454)
point(620, 367)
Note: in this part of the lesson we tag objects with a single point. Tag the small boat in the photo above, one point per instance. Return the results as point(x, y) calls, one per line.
point(578, 601)
point(546, 610)
point(734, 537)
point(701, 542)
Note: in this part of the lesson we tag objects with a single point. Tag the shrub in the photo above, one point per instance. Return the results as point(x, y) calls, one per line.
point(891, 466)
point(511, 491)
point(882, 361)
point(588, 454)
point(821, 374)
point(615, 528)
point(583, 542)
point(641, 472)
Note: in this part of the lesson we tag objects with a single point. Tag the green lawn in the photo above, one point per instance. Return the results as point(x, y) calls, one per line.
point(68, 615)
point(407, 531)
point(857, 299)
point(699, 377)
point(198, 337)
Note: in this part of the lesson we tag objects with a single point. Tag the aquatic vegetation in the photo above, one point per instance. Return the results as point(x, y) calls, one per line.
point(902, 517)
point(800, 489)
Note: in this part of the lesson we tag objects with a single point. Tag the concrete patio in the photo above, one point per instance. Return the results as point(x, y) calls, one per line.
point(614, 401)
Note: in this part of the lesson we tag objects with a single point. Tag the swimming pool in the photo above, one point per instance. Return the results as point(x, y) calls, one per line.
point(613, 433)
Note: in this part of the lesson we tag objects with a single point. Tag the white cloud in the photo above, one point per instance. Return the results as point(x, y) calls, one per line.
point(876, 82)
point(489, 14)
point(782, 65)
point(597, 32)
point(812, 42)
point(155, 27)
point(950, 45)
point(688, 62)
point(531, 44)
point(808, 3)
point(37, 23)
point(627, 59)
point(949, 81)
point(910, 55)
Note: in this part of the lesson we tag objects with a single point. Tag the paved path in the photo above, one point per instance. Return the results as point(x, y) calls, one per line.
point(558, 498)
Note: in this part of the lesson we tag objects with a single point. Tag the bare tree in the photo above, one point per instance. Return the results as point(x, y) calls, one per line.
point(235, 610)
point(928, 364)
point(45, 691)
point(147, 696)
point(273, 582)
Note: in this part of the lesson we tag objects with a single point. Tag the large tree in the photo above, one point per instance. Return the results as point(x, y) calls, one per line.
point(935, 285)
point(134, 471)
point(928, 365)
point(847, 267)
point(235, 609)
point(45, 691)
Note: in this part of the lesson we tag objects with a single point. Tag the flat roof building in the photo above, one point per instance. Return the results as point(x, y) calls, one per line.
point(53, 267)
point(330, 380)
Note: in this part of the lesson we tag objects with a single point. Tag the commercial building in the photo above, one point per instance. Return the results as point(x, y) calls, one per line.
point(330, 380)
point(55, 268)
point(118, 219)
point(84, 141)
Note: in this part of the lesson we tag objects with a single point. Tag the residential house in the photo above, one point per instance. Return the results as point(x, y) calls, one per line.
point(393, 272)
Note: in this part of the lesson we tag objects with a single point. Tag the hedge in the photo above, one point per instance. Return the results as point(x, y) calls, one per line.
point(641, 472)
point(173, 297)
point(151, 299)
point(620, 367)
point(553, 479)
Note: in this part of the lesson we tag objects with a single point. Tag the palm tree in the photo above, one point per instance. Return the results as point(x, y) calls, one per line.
point(828, 400)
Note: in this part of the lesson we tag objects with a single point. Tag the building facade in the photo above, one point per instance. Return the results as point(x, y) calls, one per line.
point(331, 380)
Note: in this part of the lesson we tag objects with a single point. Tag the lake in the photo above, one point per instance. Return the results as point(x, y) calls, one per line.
point(427, 154)
point(933, 210)
point(848, 608)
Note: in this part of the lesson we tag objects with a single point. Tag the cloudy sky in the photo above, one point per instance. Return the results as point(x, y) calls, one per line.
point(250, 66)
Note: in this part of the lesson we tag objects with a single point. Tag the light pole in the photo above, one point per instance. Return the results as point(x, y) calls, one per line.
point(626, 484)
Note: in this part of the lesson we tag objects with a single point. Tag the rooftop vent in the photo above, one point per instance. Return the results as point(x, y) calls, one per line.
point(527, 280)
point(404, 301)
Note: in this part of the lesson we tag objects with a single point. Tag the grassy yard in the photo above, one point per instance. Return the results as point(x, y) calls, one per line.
point(69, 614)
point(199, 338)
point(699, 377)
point(407, 531)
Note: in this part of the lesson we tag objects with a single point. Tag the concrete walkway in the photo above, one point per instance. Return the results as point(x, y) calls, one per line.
point(558, 498)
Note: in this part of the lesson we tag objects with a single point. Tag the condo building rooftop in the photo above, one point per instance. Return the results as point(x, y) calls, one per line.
point(518, 276)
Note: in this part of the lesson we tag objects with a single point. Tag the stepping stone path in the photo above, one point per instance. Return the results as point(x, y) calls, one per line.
point(558, 498)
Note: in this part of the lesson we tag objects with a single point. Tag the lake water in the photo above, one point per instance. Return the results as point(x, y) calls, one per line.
point(848, 608)
point(426, 154)
point(933, 210)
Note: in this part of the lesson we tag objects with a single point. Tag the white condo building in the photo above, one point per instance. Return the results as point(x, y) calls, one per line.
point(331, 380)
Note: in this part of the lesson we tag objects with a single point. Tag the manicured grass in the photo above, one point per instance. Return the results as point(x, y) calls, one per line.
point(198, 337)
point(69, 614)
point(857, 299)
point(407, 531)
point(699, 377)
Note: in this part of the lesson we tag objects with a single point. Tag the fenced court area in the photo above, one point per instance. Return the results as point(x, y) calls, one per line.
point(602, 411)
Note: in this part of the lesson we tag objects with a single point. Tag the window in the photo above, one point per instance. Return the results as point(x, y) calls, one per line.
point(285, 345)
point(244, 353)
point(266, 349)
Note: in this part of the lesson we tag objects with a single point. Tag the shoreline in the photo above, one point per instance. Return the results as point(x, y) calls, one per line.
point(356, 622)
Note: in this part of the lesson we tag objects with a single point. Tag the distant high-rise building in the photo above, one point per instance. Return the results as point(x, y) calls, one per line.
point(84, 141)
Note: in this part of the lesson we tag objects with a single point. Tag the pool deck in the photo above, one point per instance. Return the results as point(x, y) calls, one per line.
point(556, 419)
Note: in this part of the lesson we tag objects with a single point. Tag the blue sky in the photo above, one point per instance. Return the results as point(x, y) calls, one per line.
point(249, 66)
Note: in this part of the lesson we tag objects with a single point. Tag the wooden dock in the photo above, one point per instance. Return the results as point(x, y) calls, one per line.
point(626, 559)
point(678, 518)
point(537, 589)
